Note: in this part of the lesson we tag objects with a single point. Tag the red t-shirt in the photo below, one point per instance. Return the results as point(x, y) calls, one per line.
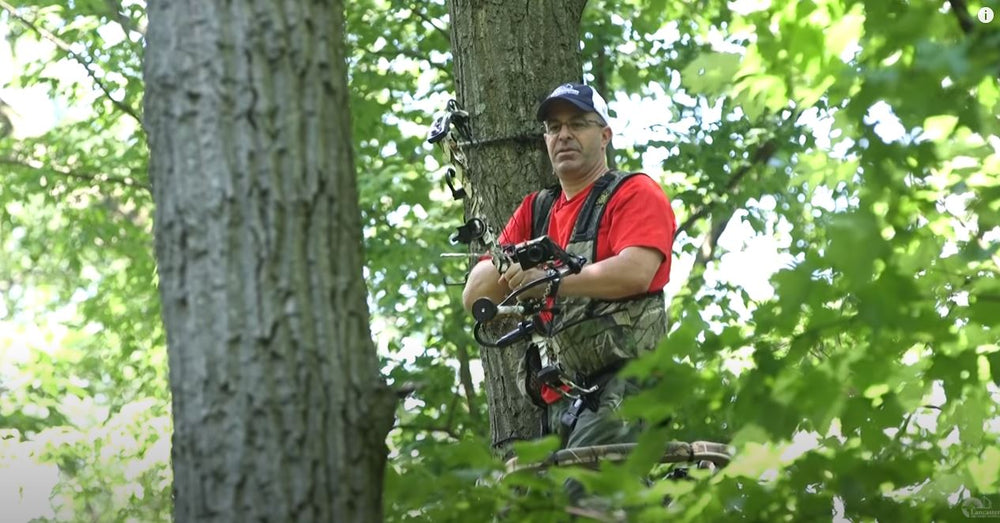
point(637, 215)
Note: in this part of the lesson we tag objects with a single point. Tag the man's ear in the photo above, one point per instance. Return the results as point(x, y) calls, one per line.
point(606, 136)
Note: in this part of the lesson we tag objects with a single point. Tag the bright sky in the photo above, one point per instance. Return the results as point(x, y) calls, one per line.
point(31, 110)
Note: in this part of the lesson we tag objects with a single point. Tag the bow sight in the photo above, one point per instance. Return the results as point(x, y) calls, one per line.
point(543, 253)
point(541, 250)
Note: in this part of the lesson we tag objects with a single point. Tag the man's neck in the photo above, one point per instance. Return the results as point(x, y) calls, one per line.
point(572, 187)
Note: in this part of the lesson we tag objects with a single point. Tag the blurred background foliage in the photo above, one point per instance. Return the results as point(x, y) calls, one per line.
point(835, 302)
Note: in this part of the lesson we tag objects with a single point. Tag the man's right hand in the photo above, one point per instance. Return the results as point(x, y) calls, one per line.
point(516, 277)
point(484, 282)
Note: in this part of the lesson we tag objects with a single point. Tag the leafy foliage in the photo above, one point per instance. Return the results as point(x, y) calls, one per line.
point(859, 136)
point(85, 366)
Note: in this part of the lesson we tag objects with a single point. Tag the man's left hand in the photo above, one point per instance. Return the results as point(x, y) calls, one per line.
point(516, 277)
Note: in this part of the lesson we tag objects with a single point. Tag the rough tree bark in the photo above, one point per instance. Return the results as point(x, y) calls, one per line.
point(508, 56)
point(279, 411)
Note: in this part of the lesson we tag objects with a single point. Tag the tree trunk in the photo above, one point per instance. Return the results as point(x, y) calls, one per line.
point(279, 411)
point(508, 57)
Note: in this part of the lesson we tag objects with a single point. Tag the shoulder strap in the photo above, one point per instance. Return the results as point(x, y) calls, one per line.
point(540, 210)
point(593, 209)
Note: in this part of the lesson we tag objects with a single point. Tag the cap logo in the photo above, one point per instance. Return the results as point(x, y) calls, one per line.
point(564, 89)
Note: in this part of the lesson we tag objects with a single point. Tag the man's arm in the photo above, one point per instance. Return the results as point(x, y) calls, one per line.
point(484, 281)
point(628, 273)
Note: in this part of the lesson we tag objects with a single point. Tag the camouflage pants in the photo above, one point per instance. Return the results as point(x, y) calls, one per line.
point(603, 427)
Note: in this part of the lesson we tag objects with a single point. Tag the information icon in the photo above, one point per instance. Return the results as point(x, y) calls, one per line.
point(986, 15)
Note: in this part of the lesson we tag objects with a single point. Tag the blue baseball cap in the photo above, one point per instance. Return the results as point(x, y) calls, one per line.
point(582, 96)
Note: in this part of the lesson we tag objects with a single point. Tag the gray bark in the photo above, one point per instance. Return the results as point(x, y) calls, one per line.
point(279, 411)
point(508, 56)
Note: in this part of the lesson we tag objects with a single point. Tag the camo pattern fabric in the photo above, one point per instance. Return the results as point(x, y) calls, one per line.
point(594, 334)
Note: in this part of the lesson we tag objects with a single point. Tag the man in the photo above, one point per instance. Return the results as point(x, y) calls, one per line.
point(613, 309)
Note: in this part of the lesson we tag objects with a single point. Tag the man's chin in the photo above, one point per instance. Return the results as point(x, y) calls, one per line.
point(566, 166)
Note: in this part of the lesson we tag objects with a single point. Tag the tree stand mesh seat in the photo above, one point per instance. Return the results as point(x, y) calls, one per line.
point(718, 454)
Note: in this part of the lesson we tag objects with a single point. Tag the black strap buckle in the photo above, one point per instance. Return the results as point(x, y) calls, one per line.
point(572, 414)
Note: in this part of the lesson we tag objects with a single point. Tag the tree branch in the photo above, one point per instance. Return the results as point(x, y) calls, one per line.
point(420, 14)
point(962, 13)
point(708, 247)
point(451, 411)
point(761, 156)
point(600, 72)
point(91, 177)
point(443, 430)
point(84, 61)
point(464, 370)
point(394, 53)
point(592, 514)
point(815, 330)
point(707, 251)
point(129, 25)
point(6, 126)
point(465, 377)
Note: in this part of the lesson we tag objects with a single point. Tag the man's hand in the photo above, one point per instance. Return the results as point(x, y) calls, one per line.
point(483, 283)
point(516, 277)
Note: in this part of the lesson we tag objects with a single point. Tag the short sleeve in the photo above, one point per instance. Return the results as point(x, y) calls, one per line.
point(518, 228)
point(640, 215)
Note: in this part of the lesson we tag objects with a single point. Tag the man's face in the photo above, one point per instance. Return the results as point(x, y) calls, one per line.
point(575, 140)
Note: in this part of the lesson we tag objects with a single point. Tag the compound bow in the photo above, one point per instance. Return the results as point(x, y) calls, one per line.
point(452, 130)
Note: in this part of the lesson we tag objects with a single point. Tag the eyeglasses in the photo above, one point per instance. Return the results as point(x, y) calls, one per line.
point(574, 126)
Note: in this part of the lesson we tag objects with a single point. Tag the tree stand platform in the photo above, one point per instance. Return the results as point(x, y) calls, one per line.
point(718, 454)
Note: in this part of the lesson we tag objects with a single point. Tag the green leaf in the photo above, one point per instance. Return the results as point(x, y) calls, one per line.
point(535, 451)
point(710, 73)
point(994, 359)
point(854, 246)
point(939, 127)
point(985, 471)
